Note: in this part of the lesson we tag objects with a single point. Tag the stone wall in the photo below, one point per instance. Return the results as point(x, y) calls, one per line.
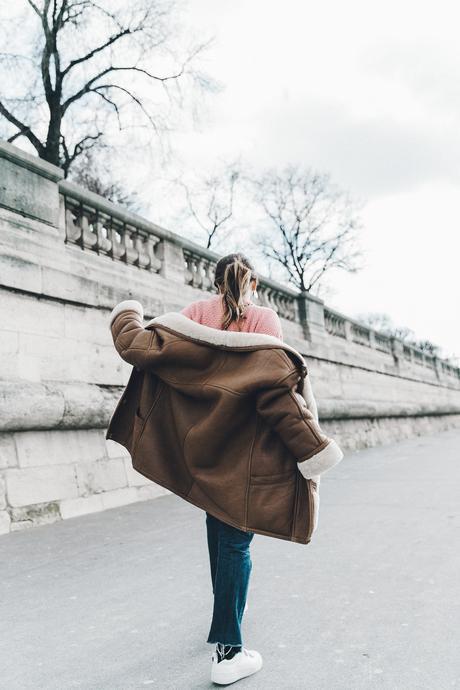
point(67, 257)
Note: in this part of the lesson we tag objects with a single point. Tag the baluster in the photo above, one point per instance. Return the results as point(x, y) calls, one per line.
point(140, 245)
point(188, 273)
point(103, 242)
point(196, 278)
point(72, 227)
point(89, 237)
point(132, 255)
point(151, 243)
point(118, 248)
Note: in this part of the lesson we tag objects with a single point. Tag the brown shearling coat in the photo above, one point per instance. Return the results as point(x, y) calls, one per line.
point(224, 419)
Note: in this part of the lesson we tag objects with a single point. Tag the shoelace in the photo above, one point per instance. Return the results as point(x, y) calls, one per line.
point(243, 650)
point(221, 649)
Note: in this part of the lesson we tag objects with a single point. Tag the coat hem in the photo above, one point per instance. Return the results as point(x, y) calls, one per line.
point(221, 516)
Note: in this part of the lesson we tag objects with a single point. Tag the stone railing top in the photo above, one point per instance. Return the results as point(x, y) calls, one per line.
point(350, 319)
point(98, 203)
point(386, 336)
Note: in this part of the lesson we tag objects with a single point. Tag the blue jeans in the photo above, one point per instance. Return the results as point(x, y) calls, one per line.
point(231, 567)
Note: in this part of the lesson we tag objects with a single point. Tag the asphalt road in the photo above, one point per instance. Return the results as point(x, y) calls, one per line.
point(122, 599)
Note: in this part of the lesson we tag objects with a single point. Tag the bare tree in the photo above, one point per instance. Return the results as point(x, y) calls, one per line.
point(210, 200)
point(96, 174)
point(92, 63)
point(311, 225)
point(384, 324)
point(427, 346)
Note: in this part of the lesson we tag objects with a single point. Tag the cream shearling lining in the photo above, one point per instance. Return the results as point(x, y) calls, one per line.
point(127, 305)
point(214, 336)
point(322, 461)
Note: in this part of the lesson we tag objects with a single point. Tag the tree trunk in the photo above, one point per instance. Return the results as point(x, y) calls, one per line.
point(51, 150)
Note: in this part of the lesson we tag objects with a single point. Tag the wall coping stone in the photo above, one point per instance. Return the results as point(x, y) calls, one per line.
point(30, 162)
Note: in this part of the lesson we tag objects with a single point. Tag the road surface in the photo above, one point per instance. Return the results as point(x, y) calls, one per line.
point(122, 599)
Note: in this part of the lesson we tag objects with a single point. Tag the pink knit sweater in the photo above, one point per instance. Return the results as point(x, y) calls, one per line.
point(209, 312)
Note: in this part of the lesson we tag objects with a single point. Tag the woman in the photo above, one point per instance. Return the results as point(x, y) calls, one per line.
point(223, 416)
point(231, 565)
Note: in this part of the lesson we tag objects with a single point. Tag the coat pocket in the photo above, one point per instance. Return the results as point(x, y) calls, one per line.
point(274, 478)
point(138, 428)
point(142, 414)
point(271, 503)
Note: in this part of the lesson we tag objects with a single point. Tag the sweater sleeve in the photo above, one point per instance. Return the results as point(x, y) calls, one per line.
point(270, 324)
point(191, 311)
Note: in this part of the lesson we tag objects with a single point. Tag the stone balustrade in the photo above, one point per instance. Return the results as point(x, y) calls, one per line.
point(95, 225)
point(98, 226)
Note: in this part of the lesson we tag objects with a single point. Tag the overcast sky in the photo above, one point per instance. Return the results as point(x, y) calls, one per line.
point(369, 92)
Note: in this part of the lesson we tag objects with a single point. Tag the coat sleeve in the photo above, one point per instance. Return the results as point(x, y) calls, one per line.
point(134, 343)
point(287, 412)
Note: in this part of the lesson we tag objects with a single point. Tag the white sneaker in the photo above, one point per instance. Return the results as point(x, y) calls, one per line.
point(243, 664)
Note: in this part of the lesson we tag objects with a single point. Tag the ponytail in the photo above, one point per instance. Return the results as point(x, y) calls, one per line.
point(233, 275)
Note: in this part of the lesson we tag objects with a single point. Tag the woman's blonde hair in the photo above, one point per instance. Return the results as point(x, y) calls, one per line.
point(234, 273)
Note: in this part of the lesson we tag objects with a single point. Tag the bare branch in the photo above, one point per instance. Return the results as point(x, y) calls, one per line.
point(87, 87)
point(78, 149)
point(108, 100)
point(24, 130)
point(313, 221)
point(35, 8)
point(210, 201)
point(142, 27)
point(95, 51)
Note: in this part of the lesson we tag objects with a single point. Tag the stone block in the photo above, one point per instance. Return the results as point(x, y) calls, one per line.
point(5, 522)
point(20, 273)
point(21, 525)
point(40, 484)
point(119, 497)
point(172, 261)
point(45, 448)
point(90, 325)
point(9, 343)
point(99, 364)
point(45, 352)
point(59, 359)
point(89, 406)
point(27, 314)
point(29, 185)
point(56, 405)
point(2, 493)
point(73, 507)
point(8, 456)
point(134, 477)
point(36, 514)
point(115, 450)
point(104, 475)
point(153, 490)
point(64, 284)
point(20, 367)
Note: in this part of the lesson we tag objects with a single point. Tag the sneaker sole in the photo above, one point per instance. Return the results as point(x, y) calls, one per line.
point(230, 676)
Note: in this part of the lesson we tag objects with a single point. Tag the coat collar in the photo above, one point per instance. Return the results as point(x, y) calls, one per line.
point(234, 340)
